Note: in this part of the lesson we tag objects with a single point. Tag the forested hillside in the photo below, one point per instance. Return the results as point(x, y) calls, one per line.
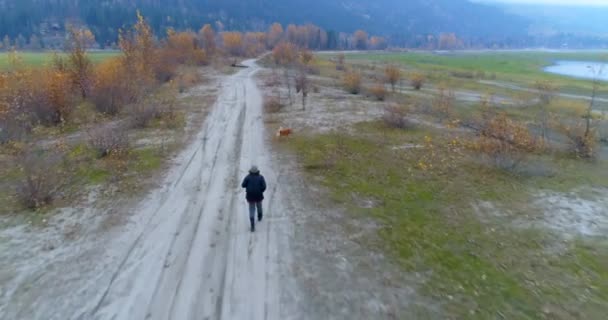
point(404, 22)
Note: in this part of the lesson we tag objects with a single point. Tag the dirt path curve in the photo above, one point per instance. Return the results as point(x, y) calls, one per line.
point(195, 258)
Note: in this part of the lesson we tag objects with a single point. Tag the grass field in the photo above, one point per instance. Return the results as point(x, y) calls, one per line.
point(475, 266)
point(38, 59)
point(521, 67)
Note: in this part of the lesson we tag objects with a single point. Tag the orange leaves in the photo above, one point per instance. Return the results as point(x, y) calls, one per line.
point(504, 141)
point(181, 48)
point(111, 91)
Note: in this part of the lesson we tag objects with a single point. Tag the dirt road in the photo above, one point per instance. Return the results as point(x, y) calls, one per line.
point(196, 258)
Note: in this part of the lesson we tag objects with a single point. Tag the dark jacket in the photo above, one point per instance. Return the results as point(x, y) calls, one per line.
point(255, 185)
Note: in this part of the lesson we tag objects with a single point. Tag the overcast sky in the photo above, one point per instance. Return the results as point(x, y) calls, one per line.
point(560, 2)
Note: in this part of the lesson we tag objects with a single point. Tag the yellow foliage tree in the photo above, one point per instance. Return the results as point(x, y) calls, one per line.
point(233, 43)
point(207, 35)
point(79, 66)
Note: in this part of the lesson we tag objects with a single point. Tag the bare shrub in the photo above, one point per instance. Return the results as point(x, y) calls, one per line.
point(352, 82)
point(395, 116)
point(392, 75)
point(109, 141)
point(378, 91)
point(443, 104)
point(303, 86)
point(340, 66)
point(581, 143)
point(43, 178)
point(417, 80)
point(141, 114)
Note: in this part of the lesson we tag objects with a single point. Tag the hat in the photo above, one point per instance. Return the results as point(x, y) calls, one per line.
point(254, 169)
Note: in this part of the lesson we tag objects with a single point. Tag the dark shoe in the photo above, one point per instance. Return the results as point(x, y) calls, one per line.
point(252, 225)
point(260, 216)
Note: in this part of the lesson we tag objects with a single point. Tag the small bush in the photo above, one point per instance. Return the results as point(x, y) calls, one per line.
point(188, 79)
point(272, 104)
point(313, 70)
point(417, 80)
point(378, 91)
point(443, 104)
point(340, 66)
point(141, 114)
point(392, 75)
point(43, 178)
point(395, 116)
point(352, 82)
point(463, 74)
point(109, 141)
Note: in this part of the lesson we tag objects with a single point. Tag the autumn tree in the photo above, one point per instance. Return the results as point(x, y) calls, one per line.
point(392, 75)
point(378, 43)
point(233, 43)
point(207, 35)
point(284, 54)
point(139, 57)
point(254, 43)
point(275, 34)
point(360, 38)
point(80, 67)
point(182, 48)
point(449, 41)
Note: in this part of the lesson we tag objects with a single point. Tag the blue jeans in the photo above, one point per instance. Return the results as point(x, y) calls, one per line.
point(252, 207)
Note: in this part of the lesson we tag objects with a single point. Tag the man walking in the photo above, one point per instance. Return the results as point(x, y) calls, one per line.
point(255, 185)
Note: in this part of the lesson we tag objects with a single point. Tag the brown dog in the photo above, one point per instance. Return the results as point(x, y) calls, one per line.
point(284, 132)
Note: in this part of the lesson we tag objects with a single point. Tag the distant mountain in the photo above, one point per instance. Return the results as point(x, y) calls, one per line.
point(582, 20)
point(403, 20)
point(566, 26)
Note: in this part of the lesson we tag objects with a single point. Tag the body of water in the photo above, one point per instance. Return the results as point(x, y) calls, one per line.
point(580, 69)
